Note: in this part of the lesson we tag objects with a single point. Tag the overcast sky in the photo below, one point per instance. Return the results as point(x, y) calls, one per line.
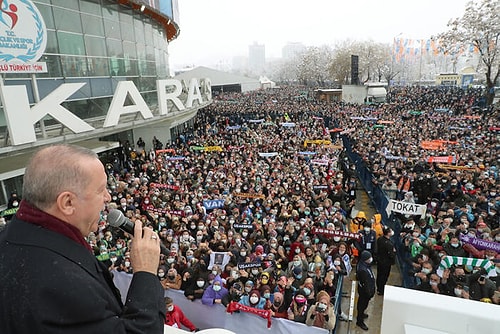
point(214, 31)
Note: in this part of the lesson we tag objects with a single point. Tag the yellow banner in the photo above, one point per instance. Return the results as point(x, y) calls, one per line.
point(248, 195)
point(317, 142)
point(213, 148)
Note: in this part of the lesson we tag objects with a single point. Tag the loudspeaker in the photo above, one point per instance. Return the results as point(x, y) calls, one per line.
point(354, 70)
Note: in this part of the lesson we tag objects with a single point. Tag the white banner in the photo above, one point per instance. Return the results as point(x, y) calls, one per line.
point(267, 154)
point(406, 208)
point(215, 316)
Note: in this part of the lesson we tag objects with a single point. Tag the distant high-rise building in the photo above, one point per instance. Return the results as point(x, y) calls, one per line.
point(256, 58)
point(291, 49)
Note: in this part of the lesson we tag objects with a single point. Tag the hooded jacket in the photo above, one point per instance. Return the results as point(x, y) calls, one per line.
point(210, 295)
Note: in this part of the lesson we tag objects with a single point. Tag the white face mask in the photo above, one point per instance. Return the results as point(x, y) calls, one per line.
point(254, 300)
point(170, 308)
point(370, 260)
point(367, 229)
point(458, 292)
point(200, 283)
point(217, 287)
point(426, 271)
point(336, 239)
point(336, 263)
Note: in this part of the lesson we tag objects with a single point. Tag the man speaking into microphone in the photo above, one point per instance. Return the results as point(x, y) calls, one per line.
point(51, 282)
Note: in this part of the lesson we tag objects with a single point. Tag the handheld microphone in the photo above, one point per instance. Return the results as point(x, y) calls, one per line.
point(116, 218)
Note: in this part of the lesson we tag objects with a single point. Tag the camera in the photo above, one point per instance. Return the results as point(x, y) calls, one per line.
point(321, 308)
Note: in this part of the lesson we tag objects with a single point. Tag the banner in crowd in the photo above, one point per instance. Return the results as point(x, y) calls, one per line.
point(336, 233)
point(480, 243)
point(179, 157)
point(320, 187)
point(219, 258)
point(167, 150)
point(287, 124)
point(234, 306)
point(213, 204)
point(243, 226)
point(236, 148)
point(256, 120)
point(8, 212)
point(395, 157)
point(206, 148)
point(405, 208)
point(247, 265)
point(307, 153)
point(450, 159)
point(179, 213)
point(448, 261)
point(234, 127)
point(456, 167)
point(248, 195)
point(335, 147)
point(213, 149)
point(317, 142)
point(164, 186)
point(267, 154)
point(321, 162)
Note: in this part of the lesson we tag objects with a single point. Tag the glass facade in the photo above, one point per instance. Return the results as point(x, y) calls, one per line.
point(101, 42)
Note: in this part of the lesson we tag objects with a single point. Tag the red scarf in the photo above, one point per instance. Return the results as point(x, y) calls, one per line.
point(40, 218)
point(234, 306)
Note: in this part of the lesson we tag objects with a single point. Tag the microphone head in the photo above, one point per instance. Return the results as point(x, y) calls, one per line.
point(115, 218)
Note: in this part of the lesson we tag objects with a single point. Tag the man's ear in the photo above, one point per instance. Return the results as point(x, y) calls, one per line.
point(65, 203)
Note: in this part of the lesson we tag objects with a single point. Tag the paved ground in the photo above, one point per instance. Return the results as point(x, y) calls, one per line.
point(376, 305)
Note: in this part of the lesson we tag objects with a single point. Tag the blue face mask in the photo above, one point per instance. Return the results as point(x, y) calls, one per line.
point(307, 291)
point(298, 276)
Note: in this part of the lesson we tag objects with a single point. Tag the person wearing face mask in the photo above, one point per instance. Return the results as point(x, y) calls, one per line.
point(366, 287)
point(172, 280)
point(322, 314)
point(176, 318)
point(298, 308)
point(214, 293)
point(296, 262)
point(234, 294)
point(196, 286)
point(454, 247)
point(386, 255)
point(253, 299)
point(296, 247)
point(367, 240)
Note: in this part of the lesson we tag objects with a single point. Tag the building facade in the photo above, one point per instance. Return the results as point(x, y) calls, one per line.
point(107, 79)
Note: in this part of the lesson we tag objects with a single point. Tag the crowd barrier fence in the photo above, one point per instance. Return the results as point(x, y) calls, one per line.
point(215, 316)
point(380, 202)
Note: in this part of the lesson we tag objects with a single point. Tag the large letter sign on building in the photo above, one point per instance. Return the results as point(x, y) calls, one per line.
point(23, 37)
point(21, 118)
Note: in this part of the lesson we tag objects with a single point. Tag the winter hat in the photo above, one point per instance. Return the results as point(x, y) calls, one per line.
point(278, 296)
point(365, 255)
point(322, 295)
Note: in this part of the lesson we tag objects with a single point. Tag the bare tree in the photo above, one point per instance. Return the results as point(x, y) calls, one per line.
point(479, 27)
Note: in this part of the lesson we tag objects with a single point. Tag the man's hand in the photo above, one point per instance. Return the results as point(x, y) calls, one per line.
point(145, 249)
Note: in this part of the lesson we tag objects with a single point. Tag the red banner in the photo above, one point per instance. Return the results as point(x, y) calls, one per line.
point(234, 306)
point(336, 233)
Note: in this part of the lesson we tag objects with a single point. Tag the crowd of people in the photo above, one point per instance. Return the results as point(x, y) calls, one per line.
point(254, 202)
